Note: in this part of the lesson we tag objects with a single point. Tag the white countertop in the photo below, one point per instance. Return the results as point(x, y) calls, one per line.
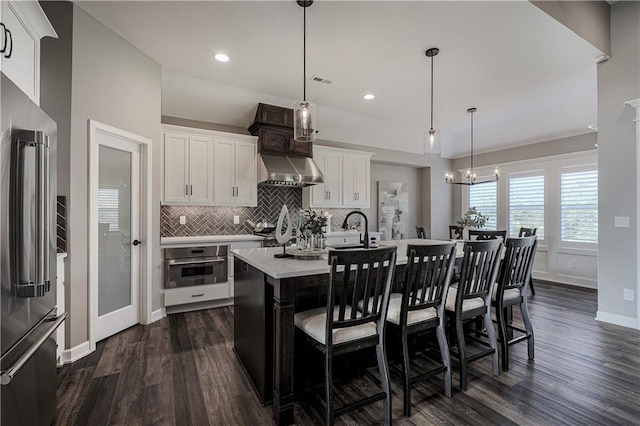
point(209, 239)
point(262, 259)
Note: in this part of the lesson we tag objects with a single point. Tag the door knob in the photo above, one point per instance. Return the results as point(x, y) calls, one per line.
point(136, 243)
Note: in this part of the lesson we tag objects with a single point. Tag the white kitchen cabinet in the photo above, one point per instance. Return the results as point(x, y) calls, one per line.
point(355, 180)
point(329, 193)
point(346, 179)
point(188, 168)
point(25, 23)
point(235, 173)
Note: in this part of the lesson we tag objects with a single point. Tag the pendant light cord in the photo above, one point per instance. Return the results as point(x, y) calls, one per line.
point(304, 53)
point(471, 145)
point(432, 93)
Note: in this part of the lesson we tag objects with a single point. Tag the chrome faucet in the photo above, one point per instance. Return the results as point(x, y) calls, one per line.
point(366, 226)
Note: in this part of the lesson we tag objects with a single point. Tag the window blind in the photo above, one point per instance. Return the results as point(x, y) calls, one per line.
point(579, 206)
point(108, 207)
point(526, 204)
point(485, 198)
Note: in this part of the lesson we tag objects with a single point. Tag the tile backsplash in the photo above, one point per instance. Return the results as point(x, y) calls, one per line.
point(204, 220)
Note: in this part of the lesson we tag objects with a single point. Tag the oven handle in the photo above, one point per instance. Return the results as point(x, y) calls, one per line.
point(173, 262)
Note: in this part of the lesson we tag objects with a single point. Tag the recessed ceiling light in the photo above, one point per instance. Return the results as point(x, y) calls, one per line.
point(221, 57)
point(369, 96)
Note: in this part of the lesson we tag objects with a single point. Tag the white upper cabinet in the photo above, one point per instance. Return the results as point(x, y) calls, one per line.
point(203, 167)
point(346, 179)
point(329, 193)
point(356, 185)
point(188, 169)
point(235, 173)
point(23, 25)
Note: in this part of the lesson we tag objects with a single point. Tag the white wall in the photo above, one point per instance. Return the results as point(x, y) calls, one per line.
point(619, 81)
point(113, 83)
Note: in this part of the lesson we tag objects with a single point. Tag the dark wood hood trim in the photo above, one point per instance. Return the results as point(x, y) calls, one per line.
point(274, 127)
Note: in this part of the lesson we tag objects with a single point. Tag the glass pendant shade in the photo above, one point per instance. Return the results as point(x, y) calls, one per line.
point(304, 121)
point(431, 143)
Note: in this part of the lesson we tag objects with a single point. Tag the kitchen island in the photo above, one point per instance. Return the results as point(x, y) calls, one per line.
point(268, 292)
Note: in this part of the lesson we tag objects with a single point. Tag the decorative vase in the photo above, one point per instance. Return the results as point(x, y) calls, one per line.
point(319, 241)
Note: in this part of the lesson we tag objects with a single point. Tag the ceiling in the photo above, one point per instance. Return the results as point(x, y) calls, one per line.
point(531, 78)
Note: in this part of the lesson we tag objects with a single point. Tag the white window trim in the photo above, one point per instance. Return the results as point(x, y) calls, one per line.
point(574, 245)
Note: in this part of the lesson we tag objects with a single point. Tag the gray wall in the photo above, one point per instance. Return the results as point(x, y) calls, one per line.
point(589, 19)
point(115, 84)
point(618, 81)
point(55, 95)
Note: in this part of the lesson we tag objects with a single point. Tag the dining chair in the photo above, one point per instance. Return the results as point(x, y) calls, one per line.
point(419, 309)
point(527, 232)
point(483, 235)
point(511, 291)
point(470, 299)
point(422, 234)
point(455, 232)
point(340, 328)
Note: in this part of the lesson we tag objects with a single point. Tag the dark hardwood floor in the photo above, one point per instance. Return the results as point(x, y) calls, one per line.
point(182, 371)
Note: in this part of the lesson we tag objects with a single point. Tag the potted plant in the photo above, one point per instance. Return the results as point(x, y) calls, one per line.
point(472, 219)
point(312, 229)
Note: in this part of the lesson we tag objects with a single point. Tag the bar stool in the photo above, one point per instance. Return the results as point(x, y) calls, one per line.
point(339, 328)
point(471, 300)
point(511, 291)
point(527, 232)
point(419, 309)
point(482, 235)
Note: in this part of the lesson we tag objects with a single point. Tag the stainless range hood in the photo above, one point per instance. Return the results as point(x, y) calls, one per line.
point(288, 170)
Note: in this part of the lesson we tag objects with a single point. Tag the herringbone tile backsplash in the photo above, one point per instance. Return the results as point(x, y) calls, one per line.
point(219, 220)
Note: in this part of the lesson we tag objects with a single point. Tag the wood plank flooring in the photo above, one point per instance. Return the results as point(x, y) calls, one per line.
point(182, 371)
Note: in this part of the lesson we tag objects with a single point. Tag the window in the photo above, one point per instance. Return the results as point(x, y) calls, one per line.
point(526, 204)
point(485, 198)
point(579, 206)
point(108, 207)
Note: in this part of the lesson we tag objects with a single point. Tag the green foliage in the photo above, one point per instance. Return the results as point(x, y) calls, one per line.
point(473, 219)
point(312, 223)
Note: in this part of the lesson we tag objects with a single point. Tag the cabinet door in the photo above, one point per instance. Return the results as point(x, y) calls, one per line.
point(362, 184)
point(25, 53)
point(246, 175)
point(319, 194)
point(333, 179)
point(176, 177)
point(349, 180)
point(201, 169)
point(224, 173)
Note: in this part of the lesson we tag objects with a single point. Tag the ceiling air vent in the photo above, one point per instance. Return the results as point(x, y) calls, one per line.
point(320, 79)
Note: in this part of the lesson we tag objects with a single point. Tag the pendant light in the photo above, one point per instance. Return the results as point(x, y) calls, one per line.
point(431, 142)
point(471, 178)
point(304, 112)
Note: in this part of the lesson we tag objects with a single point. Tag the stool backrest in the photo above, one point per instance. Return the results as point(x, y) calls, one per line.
point(481, 235)
point(455, 232)
point(427, 277)
point(421, 232)
point(527, 232)
point(359, 274)
point(479, 270)
point(517, 264)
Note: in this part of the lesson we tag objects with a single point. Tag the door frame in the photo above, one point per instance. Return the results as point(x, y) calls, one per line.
point(146, 208)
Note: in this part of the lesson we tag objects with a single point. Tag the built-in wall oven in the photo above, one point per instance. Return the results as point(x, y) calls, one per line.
point(192, 266)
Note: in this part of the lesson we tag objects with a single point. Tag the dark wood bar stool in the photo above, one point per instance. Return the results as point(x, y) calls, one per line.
point(422, 234)
point(419, 309)
point(455, 232)
point(339, 328)
point(471, 300)
point(511, 291)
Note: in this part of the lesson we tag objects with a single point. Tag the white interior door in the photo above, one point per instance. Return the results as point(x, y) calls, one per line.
point(118, 217)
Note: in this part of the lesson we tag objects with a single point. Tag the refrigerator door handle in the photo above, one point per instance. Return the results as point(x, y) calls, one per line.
point(39, 283)
point(6, 376)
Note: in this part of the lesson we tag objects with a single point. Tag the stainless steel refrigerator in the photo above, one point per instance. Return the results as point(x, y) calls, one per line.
point(28, 260)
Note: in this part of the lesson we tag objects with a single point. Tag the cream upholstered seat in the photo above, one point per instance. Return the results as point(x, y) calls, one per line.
point(413, 317)
point(467, 304)
point(512, 293)
point(314, 323)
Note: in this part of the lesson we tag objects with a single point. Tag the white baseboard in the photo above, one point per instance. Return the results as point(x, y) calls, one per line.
point(75, 353)
point(157, 315)
point(618, 320)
